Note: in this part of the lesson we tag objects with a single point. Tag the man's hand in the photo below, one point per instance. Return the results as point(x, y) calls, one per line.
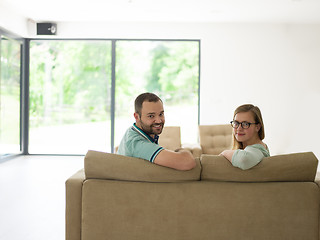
point(182, 150)
point(182, 160)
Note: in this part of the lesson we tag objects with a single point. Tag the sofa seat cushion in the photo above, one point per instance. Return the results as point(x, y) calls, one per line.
point(102, 165)
point(294, 167)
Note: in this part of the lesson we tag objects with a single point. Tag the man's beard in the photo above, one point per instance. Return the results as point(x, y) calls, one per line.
point(149, 130)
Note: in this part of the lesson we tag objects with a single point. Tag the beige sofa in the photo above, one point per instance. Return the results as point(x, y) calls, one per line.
point(122, 198)
point(215, 138)
point(170, 138)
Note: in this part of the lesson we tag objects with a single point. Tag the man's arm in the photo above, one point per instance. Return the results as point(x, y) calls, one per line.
point(182, 160)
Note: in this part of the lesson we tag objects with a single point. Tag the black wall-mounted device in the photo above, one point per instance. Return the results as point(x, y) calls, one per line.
point(46, 28)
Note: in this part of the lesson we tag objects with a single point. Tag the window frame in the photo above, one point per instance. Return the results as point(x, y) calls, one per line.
point(19, 39)
point(24, 82)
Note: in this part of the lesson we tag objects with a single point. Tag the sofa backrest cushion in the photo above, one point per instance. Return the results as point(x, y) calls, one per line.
point(170, 138)
point(215, 138)
point(101, 165)
point(301, 167)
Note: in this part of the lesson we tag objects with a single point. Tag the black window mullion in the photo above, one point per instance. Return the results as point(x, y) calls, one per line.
point(25, 97)
point(113, 90)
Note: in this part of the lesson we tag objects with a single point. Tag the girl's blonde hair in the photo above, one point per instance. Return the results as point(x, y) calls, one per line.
point(257, 118)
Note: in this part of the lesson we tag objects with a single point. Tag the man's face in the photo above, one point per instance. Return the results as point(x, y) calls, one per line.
point(152, 118)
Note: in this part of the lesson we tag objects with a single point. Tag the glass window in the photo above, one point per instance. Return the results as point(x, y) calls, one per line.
point(168, 68)
point(69, 96)
point(10, 96)
point(70, 90)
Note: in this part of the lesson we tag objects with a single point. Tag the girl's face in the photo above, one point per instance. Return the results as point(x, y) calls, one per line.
point(247, 136)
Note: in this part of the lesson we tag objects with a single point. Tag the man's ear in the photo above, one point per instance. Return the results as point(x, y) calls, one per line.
point(136, 116)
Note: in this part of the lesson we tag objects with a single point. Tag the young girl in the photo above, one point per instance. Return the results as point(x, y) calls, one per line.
point(248, 132)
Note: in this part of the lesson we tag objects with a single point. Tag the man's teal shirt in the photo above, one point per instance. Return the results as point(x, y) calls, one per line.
point(136, 143)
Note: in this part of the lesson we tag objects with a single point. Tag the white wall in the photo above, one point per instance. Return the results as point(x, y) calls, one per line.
point(275, 66)
point(13, 22)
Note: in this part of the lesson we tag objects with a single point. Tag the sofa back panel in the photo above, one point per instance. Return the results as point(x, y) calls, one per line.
point(117, 210)
point(101, 165)
point(215, 138)
point(73, 205)
point(289, 167)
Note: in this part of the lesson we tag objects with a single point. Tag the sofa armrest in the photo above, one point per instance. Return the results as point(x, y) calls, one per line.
point(317, 179)
point(73, 205)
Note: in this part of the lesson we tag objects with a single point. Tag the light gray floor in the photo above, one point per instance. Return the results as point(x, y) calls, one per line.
point(32, 196)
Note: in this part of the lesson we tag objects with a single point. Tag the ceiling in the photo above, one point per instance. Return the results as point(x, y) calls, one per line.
point(291, 11)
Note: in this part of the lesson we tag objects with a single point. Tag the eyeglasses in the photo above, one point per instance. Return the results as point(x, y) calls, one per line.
point(244, 125)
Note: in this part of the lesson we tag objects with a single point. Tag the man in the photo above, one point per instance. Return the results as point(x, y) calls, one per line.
point(141, 140)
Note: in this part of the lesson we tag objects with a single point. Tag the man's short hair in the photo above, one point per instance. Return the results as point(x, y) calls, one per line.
point(150, 97)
